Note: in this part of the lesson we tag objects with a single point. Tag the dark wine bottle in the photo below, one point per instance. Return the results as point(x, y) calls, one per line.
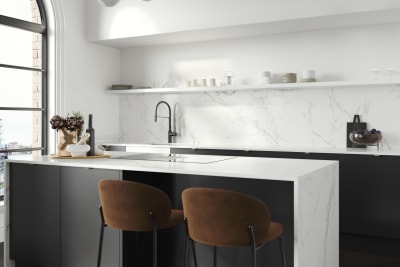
point(91, 139)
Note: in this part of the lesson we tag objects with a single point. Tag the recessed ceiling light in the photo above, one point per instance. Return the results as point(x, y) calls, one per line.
point(108, 3)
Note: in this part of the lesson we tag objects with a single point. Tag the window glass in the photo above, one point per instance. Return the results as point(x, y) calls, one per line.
point(16, 125)
point(20, 88)
point(20, 47)
point(20, 9)
point(22, 109)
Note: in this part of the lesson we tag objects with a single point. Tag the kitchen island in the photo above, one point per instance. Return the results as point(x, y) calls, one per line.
point(59, 197)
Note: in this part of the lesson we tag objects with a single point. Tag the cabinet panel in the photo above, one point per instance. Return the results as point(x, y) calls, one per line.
point(370, 196)
point(368, 188)
point(80, 219)
point(35, 215)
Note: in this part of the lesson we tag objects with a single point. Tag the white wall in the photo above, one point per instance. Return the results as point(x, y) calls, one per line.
point(288, 118)
point(304, 117)
point(339, 54)
point(86, 71)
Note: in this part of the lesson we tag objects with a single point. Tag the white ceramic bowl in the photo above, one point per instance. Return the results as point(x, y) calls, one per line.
point(78, 150)
point(99, 150)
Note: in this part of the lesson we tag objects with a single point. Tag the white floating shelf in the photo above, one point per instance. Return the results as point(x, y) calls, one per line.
point(235, 88)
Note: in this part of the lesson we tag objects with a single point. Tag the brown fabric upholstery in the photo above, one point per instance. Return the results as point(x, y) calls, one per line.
point(221, 218)
point(127, 205)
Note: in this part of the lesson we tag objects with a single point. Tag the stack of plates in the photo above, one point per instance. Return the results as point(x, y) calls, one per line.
point(309, 80)
point(289, 77)
point(121, 86)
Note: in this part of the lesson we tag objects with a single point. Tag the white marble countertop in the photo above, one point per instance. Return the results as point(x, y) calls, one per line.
point(369, 150)
point(240, 167)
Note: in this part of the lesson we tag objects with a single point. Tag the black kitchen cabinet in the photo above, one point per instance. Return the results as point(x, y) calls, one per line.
point(35, 215)
point(55, 220)
point(369, 196)
point(80, 219)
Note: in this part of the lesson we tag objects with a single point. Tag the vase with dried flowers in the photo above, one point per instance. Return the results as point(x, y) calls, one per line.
point(68, 129)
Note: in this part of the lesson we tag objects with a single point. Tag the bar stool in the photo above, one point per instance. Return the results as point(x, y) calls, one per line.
point(223, 218)
point(135, 207)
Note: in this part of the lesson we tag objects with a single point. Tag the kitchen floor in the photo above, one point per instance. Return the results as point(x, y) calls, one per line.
point(347, 259)
point(361, 259)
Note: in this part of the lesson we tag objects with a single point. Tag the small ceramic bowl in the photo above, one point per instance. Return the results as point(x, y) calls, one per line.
point(99, 150)
point(78, 150)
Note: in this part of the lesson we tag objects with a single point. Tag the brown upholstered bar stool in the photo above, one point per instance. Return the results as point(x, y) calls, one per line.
point(135, 207)
point(226, 218)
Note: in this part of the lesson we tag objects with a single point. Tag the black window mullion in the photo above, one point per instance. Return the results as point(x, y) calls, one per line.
point(22, 24)
point(22, 109)
point(21, 67)
point(45, 119)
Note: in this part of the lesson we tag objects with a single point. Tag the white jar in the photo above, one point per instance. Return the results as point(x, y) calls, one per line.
point(266, 77)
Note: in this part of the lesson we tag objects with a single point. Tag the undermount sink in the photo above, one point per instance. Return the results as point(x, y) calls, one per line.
point(186, 158)
point(149, 156)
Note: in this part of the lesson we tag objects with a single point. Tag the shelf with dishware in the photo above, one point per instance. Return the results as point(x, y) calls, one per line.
point(259, 87)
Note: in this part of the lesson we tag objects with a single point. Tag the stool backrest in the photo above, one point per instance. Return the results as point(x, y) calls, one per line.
point(219, 217)
point(127, 205)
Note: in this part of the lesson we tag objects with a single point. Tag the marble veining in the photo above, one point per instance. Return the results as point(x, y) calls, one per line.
point(317, 210)
point(296, 117)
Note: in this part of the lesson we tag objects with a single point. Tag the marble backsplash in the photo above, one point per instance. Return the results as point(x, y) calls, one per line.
point(295, 117)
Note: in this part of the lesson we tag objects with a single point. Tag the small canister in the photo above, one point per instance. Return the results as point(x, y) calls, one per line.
point(229, 77)
point(265, 77)
point(213, 82)
point(309, 76)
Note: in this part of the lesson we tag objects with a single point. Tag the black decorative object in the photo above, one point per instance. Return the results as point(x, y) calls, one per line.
point(91, 140)
point(355, 126)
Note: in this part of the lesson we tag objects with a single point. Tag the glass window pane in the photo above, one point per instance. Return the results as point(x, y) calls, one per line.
point(21, 9)
point(2, 175)
point(20, 129)
point(20, 88)
point(19, 47)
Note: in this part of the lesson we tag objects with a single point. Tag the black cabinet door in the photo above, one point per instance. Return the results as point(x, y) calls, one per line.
point(369, 195)
point(80, 219)
point(35, 215)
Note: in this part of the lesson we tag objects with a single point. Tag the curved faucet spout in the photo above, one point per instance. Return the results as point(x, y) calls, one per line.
point(170, 133)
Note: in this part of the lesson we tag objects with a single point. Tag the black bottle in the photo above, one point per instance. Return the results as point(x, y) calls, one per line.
point(91, 141)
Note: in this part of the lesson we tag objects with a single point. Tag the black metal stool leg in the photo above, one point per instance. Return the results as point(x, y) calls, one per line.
point(101, 237)
point(137, 250)
point(100, 245)
point(282, 252)
point(194, 253)
point(185, 252)
point(154, 239)
point(253, 245)
point(215, 256)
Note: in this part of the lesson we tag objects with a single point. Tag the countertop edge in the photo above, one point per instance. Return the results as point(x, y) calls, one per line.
point(237, 167)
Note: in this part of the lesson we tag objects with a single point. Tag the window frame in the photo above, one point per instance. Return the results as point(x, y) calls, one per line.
point(40, 29)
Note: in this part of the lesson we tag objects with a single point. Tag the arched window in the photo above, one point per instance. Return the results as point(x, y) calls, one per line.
point(23, 77)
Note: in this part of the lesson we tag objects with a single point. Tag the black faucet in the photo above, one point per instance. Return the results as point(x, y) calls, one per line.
point(170, 133)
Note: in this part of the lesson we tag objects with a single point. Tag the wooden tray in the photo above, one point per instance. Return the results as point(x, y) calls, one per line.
point(87, 157)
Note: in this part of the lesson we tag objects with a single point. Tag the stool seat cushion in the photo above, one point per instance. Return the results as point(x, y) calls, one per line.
point(218, 217)
point(127, 205)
